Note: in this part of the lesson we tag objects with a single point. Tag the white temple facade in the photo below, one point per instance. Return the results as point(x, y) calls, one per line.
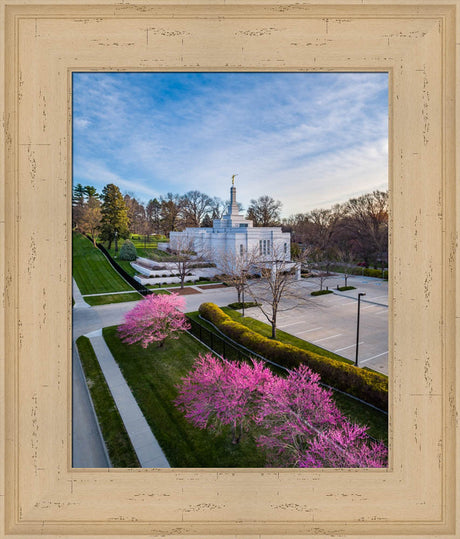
point(233, 234)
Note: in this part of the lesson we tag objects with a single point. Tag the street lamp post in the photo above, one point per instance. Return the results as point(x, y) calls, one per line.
point(116, 241)
point(244, 284)
point(357, 327)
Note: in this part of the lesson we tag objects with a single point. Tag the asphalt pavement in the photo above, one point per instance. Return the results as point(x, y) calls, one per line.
point(330, 321)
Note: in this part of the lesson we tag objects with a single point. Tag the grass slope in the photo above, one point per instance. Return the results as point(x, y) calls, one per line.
point(152, 374)
point(92, 271)
point(116, 438)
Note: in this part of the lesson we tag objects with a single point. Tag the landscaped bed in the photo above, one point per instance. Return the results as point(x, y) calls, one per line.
point(370, 386)
point(184, 291)
point(206, 286)
point(357, 411)
point(152, 375)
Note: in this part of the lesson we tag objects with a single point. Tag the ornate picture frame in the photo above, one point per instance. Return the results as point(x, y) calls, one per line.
point(416, 43)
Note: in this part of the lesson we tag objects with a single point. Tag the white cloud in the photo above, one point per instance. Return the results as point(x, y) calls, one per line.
point(307, 139)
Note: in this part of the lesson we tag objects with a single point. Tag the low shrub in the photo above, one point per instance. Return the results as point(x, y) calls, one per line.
point(345, 288)
point(369, 386)
point(128, 251)
point(369, 272)
point(320, 292)
point(239, 305)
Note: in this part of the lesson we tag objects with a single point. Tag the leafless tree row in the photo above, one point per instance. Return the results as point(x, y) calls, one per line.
point(356, 230)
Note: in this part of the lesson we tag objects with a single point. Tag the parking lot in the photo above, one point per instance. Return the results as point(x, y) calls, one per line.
point(330, 320)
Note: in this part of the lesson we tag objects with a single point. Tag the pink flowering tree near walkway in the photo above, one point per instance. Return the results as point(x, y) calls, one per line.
point(296, 420)
point(155, 319)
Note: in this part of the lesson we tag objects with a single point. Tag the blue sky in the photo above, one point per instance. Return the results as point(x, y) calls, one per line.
point(307, 139)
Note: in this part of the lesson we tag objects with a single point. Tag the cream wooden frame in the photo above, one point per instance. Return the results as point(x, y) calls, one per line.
point(415, 42)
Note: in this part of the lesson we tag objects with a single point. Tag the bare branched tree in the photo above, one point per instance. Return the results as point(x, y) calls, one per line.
point(185, 257)
point(278, 288)
point(265, 211)
point(237, 268)
point(345, 257)
point(90, 218)
point(195, 205)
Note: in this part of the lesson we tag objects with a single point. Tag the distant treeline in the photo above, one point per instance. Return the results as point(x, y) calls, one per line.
point(352, 231)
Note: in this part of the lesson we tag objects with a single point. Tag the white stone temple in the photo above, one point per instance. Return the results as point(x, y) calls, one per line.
point(233, 234)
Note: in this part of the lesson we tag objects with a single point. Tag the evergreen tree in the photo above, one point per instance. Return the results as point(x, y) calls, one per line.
point(128, 251)
point(207, 221)
point(115, 222)
point(90, 192)
point(78, 202)
point(153, 213)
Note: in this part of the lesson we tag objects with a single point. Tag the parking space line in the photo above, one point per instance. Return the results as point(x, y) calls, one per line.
point(309, 330)
point(331, 337)
point(346, 347)
point(373, 357)
point(290, 324)
point(379, 297)
point(347, 302)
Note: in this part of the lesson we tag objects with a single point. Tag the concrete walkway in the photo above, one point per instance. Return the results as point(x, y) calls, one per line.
point(79, 301)
point(145, 445)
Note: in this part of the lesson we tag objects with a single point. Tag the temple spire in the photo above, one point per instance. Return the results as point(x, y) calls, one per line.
point(233, 206)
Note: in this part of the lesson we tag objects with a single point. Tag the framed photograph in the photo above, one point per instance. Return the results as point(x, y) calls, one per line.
point(79, 79)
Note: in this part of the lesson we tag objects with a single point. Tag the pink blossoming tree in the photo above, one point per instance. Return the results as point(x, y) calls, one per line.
point(297, 421)
point(154, 319)
point(217, 393)
point(303, 427)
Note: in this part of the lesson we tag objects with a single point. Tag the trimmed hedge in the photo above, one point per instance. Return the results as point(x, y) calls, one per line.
point(320, 292)
point(367, 272)
point(369, 386)
point(345, 288)
point(239, 305)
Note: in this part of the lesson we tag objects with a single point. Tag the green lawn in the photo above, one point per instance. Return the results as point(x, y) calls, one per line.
point(112, 298)
point(358, 412)
point(152, 375)
point(144, 249)
point(139, 240)
point(116, 438)
point(92, 271)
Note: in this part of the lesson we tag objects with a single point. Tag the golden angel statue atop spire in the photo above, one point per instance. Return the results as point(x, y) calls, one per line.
point(233, 179)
